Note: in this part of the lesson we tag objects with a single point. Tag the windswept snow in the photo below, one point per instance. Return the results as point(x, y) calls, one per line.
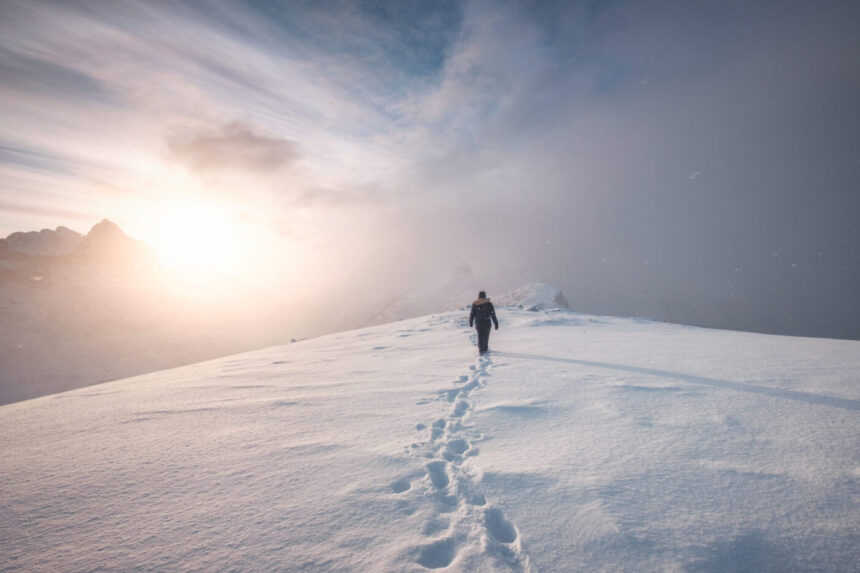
point(534, 296)
point(581, 443)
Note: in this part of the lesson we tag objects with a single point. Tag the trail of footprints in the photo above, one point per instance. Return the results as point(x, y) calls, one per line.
point(462, 518)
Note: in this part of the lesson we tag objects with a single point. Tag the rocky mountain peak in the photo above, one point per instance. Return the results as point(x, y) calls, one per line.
point(107, 241)
point(47, 242)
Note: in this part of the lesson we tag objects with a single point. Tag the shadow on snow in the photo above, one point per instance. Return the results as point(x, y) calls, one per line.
point(692, 379)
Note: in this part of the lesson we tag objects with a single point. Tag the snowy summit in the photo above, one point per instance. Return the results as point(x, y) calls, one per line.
point(579, 444)
point(535, 296)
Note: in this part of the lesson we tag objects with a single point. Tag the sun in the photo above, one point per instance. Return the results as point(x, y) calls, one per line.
point(202, 241)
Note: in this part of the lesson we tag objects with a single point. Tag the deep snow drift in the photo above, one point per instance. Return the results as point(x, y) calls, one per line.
point(580, 444)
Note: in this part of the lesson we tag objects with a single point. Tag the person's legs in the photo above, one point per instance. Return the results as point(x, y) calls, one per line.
point(483, 337)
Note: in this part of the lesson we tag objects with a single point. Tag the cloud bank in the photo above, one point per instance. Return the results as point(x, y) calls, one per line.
point(234, 147)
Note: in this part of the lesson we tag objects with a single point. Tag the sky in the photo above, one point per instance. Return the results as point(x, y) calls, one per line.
point(686, 161)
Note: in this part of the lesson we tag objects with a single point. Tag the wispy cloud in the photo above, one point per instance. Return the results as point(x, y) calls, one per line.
point(233, 147)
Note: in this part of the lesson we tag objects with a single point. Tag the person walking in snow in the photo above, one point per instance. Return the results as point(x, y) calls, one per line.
point(482, 313)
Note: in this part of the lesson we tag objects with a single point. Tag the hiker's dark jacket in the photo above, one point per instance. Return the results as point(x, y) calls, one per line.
point(483, 312)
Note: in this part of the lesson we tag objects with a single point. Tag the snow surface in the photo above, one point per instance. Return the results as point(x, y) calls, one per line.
point(580, 444)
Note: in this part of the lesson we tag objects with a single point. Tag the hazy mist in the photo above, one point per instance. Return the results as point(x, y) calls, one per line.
point(692, 162)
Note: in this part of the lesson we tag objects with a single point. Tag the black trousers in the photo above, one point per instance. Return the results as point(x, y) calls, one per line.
point(483, 335)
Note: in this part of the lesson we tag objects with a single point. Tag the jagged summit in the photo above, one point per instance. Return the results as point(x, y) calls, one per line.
point(103, 234)
point(105, 226)
point(63, 257)
point(106, 241)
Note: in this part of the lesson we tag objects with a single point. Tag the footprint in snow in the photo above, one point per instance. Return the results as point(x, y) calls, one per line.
point(449, 395)
point(477, 499)
point(438, 428)
point(438, 473)
point(498, 527)
point(401, 485)
point(460, 408)
point(435, 526)
point(438, 554)
point(455, 448)
point(442, 473)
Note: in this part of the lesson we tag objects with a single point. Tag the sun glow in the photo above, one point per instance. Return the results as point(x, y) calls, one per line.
point(203, 242)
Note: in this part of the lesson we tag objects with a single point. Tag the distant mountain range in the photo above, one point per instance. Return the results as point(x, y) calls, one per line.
point(46, 242)
point(65, 256)
point(82, 309)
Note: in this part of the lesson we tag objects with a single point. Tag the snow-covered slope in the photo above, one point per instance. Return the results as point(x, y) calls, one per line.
point(580, 444)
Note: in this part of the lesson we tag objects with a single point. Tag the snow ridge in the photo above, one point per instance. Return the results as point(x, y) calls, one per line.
point(472, 527)
point(534, 296)
point(583, 443)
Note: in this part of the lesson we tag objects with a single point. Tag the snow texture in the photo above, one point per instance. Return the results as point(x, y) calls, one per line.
point(579, 444)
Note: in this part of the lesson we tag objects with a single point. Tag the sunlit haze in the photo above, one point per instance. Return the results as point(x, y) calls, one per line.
point(694, 162)
point(412, 285)
point(202, 241)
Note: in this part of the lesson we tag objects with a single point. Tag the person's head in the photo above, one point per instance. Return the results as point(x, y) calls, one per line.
point(482, 294)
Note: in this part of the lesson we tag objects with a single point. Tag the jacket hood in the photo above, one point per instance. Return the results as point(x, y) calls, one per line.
point(481, 301)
